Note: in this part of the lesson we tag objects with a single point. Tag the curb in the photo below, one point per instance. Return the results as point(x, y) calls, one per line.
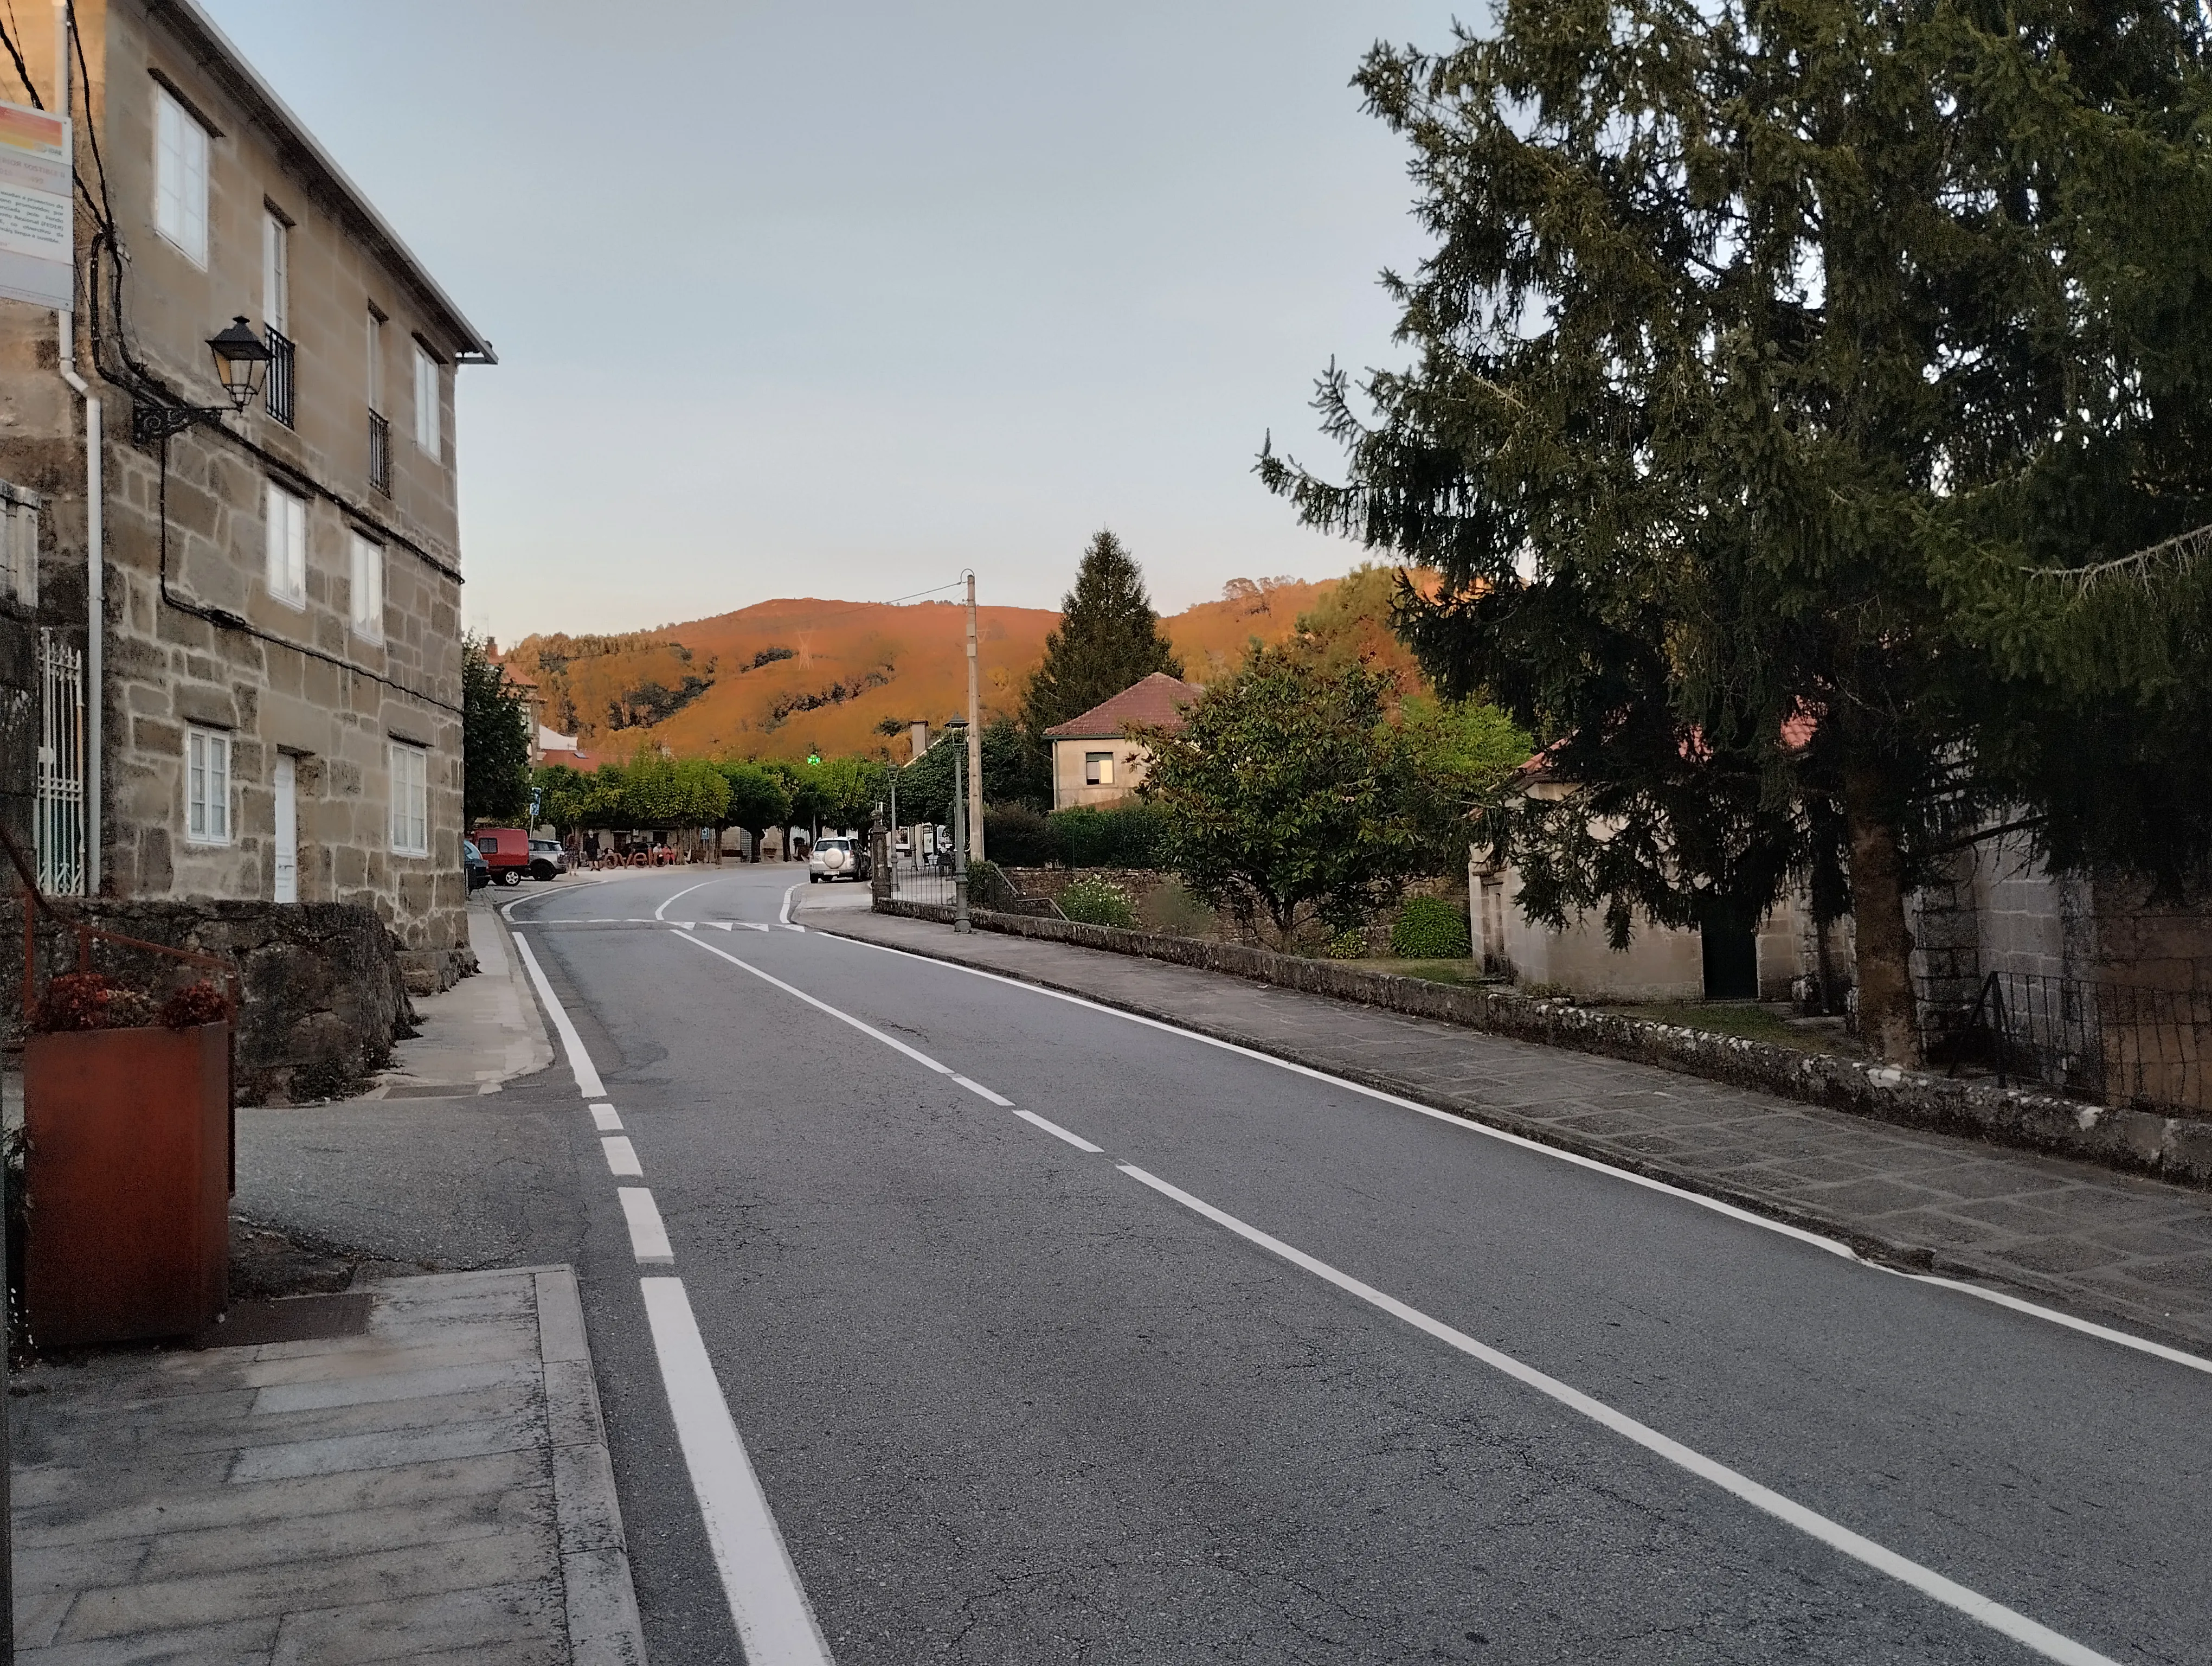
point(1872, 1247)
point(603, 1624)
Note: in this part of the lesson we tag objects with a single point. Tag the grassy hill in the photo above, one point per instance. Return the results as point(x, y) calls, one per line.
point(784, 677)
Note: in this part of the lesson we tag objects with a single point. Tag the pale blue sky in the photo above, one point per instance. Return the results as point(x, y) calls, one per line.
point(832, 300)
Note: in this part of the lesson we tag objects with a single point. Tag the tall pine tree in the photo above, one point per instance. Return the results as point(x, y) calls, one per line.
point(1108, 638)
point(1766, 350)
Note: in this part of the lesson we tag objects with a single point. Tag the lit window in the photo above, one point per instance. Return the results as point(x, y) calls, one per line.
point(288, 546)
point(180, 177)
point(411, 799)
point(425, 402)
point(275, 274)
point(1098, 769)
point(207, 786)
point(367, 588)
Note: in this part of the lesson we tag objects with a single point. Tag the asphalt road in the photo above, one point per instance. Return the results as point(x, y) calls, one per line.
point(1009, 1400)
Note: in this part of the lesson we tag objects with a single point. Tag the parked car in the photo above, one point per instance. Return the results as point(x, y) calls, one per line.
point(837, 858)
point(473, 864)
point(506, 849)
point(549, 859)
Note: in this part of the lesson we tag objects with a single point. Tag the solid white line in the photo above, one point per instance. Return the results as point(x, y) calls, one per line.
point(2042, 1639)
point(2018, 1304)
point(580, 1061)
point(622, 1156)
point(1054, 1129)
point(662, 912)
point(978, 1088)
point(783, 915)
point(823, 1005)
point(776, 1622)
point(604, 1118)
point(648, 1238)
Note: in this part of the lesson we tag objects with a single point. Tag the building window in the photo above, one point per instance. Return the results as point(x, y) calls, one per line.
point(375, 360)
point(207, 786)
point(379, 430)
point(425, 402)
point(367, 588)
point(180, 177)
point(288, 547)
point(275, 272)
point(411, 799)
point(1098, 769)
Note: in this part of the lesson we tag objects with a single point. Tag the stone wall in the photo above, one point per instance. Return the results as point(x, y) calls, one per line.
point(2173, 1148)
point(1163, 905)
point(324, 994)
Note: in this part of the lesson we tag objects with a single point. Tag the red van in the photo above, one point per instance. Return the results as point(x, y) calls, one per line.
point(505, 851)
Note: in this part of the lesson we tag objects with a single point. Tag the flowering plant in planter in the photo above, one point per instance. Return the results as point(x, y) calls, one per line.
point(91, 1001)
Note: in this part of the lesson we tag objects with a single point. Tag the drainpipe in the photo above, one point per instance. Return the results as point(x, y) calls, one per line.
point(95, 565)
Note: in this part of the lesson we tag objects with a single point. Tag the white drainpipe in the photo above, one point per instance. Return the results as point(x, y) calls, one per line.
point(95, 566)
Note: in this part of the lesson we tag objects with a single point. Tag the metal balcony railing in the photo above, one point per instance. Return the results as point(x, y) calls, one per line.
point(276, 393)
point(380, 453)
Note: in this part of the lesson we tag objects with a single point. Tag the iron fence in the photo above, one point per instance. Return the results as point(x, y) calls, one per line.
point(276, 391)
point(380, 453)
point(923, 881)
point(2115, 1043)
point(57, 816)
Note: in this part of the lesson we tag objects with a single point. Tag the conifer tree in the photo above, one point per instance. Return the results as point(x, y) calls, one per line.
point(1108, 637)
point(1765, 353)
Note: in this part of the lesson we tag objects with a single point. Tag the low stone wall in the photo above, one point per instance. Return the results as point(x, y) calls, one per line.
point(2170, 1148)
point(324, 993)
point(1163, 905)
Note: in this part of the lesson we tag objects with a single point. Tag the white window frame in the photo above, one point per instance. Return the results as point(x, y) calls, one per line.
point(375, 351)
point(275, 271)
point(180, 177)
point(286, 545)
point(430, 398)
point(208, 819)
point(407, 769)
point(1098, 769)
point(367, 588)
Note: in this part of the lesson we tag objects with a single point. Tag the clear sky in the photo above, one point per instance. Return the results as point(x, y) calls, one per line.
point(833, 300)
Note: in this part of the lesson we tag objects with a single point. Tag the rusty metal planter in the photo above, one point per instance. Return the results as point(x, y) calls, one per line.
point(126, 1169)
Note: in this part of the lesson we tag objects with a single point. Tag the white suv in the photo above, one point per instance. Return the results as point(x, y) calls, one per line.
point(836, 859)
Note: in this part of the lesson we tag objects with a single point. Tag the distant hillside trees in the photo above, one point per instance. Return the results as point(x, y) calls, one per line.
point(1108, 637)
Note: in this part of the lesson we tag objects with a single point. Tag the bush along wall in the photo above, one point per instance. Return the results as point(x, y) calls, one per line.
point(1431, 928)
point(1116, 836)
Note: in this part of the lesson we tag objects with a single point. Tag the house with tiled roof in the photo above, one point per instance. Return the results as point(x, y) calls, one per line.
point(1093, 759)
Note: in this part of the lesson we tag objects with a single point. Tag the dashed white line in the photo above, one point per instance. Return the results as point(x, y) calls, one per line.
point(580, 1061)
point(776, 1622)
point(605, 1119)
point(622, 1156)
point(1054, 1129)
point(648, 1238)
point(978, 1088)
point(2050, 1645)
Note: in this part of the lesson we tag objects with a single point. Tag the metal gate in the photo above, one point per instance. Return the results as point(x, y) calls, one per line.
point(58, 815)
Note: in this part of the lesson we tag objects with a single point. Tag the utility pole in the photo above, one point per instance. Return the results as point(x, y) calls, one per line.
point(961, 833)
point(974, 734)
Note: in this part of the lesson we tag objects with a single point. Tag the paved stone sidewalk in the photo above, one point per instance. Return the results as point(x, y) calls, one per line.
point(2103, 1245)
point(434, 1488)
point(480, 1033)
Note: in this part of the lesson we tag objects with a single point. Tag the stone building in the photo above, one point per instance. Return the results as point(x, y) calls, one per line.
point(1093, 759)
point(278, 715)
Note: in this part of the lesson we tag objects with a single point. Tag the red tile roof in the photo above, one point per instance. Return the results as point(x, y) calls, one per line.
point(1158, 701)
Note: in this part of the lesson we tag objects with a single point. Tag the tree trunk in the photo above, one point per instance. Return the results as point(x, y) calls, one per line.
point(1888, 1022)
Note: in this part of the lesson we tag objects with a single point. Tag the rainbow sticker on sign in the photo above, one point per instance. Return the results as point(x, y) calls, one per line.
point(38, 227)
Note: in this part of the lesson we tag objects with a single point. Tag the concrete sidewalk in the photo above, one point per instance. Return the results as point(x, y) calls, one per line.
point(483, 1031)
point(434, 1487)
point(2103, 1245)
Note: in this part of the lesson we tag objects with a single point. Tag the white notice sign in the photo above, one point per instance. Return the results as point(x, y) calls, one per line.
point(37, 229)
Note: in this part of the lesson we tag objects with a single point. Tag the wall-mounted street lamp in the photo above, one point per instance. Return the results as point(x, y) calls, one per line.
point(242, 361)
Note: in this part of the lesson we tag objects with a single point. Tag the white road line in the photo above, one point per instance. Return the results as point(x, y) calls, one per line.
point(978, 1088)
point(919, 1057)
point(580, 1062)
point(783, 915)
point(661, 913)
point(776, 1622)
point(1998, 1298)
point(648, 1238)
point(2018, 1626)
point(622, 1156)
point(1054, 1129)
point(604, 1119)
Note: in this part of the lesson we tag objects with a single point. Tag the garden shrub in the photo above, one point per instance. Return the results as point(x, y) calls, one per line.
point(1347, 945)
point(1098, 901)
point(1116, 836)
point(1020, 838)
point(1431, 928)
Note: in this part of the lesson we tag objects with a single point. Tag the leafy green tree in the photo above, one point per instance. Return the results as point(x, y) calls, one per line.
point(1764, 351)
point(1108, 637)
point(1016, 770)
point(495, 740)
point(849, 789)
point(1282, 797)
point(562, 791)
point(1454, 757)
point(760, 798)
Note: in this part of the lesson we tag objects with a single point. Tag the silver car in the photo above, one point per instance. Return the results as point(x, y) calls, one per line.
point(549, 859)
point(836, 859)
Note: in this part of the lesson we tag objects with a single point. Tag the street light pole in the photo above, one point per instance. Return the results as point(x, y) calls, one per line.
point(960, 921)
point(974, 732)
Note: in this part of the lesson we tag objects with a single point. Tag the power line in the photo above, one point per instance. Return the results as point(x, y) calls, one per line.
point(931, 591)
